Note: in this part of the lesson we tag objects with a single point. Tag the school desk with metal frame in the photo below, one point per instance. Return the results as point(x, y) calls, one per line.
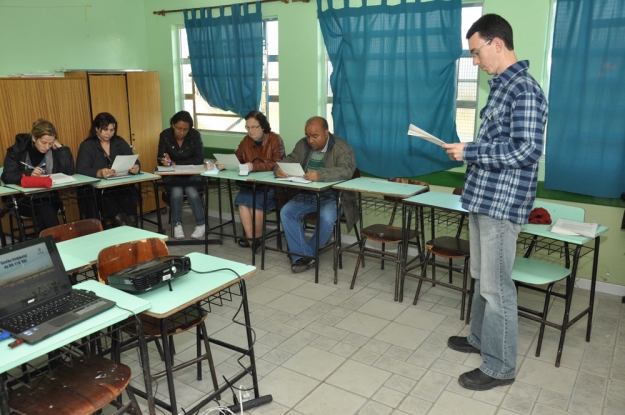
point(34, 193)
point(379, 187)
point(539, 237)
point(250, 180)
point(134, 179)
point(11, 359)
point(8, 204)
point(208, 283)
point(451, 212)
point(306, 191)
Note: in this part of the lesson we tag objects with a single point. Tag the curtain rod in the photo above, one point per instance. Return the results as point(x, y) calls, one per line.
point(164, 12)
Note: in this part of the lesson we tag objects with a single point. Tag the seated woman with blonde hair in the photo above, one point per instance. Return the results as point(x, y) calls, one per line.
point(38, 153)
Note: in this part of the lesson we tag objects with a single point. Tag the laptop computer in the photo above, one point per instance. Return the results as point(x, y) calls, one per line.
point(36, 296)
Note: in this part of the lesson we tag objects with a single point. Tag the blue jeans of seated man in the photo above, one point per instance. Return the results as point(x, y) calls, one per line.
point(494, 327)
point(194, 198)
point(291, 217)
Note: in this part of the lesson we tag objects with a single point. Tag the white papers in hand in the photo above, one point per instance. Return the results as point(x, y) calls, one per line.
point(59, 178)
point(122, 164)
point(415, 131)
point(230, 161)
point(292, 169)
point(571, 227)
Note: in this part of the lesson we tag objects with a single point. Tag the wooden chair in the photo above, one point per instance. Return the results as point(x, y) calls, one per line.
point(396, 203)
point(67, 231)
point(77, 388)
point(118, 257)
point(451, 248)
point(388, 234)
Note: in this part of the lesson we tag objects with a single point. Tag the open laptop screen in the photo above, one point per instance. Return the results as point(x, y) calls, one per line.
point(30, 273)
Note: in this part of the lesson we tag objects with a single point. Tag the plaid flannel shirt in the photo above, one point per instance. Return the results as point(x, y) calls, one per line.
point(502, 163)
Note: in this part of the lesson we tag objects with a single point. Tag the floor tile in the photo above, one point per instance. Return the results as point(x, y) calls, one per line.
point(315, 363)
point(358, 378)
point(327, 399)
point(449, 402)
point(287, 387)
point(546, 375)
point(362, 324)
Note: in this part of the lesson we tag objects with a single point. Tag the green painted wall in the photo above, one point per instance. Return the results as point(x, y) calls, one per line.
point(40, 36)
point(299, 48)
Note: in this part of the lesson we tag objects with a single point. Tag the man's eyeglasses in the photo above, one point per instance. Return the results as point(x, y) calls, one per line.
point(251, 127)
point(477, 51)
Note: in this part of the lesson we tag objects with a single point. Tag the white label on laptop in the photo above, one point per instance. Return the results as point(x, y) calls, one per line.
point(230, 161)
point(122, 164)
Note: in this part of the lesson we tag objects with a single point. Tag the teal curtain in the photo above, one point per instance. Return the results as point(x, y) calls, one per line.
point(226, 54)
point(585, 150)
point(393, 66)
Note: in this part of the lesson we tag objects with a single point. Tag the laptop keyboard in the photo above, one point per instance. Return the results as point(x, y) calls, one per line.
point(46, 312)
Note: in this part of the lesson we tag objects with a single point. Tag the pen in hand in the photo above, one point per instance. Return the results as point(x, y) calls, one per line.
point(28, 165)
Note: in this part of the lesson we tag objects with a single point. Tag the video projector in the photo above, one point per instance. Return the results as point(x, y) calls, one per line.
point(150, 274)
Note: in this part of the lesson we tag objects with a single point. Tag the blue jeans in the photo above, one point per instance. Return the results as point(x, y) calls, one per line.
point(195, 200)
point(494, 328)
point(291, 217)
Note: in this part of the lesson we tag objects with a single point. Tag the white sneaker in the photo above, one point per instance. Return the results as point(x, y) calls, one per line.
point(178, 232)
point(198, 233)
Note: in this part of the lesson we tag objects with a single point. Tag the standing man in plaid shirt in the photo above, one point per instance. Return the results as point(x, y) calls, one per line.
point(499, 191)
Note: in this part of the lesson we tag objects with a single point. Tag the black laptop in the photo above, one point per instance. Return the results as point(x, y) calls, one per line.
point(36, 296)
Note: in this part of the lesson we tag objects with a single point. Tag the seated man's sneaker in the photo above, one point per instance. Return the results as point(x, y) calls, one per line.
point(476, 380)
point(302, 265)
point(178, 232)
point(199, 231)
point(461, 344)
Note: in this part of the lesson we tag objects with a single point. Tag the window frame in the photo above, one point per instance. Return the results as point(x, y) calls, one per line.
point(192, 96)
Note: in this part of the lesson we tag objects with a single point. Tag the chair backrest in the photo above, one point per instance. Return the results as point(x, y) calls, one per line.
point(409, 181)
point(72, 230)
point(118, 257)
point(457, 191)
point(557, 210)
point(356, 173)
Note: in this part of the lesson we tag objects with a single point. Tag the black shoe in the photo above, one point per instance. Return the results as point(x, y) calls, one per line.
point(476, 380)
point(256, 246)
point(302, 265)
point(243, 243)
point(461, 344)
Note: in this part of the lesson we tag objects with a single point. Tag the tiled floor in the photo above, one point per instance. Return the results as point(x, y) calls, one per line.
point(325, 349)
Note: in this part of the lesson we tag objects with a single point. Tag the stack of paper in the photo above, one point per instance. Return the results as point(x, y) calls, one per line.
point(571, 227)
point(415, 131)
point(58, 178)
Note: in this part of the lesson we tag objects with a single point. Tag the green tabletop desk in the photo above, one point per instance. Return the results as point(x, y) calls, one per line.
point(316, 188)
point(372, 186)
point(199, 286)
point(127, 305)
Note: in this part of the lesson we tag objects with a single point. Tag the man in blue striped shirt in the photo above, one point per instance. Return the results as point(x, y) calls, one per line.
point(499, 191)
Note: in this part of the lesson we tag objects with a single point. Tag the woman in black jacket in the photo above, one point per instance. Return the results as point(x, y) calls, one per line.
point(182, 145)
point(95, 158)
point(38, 153)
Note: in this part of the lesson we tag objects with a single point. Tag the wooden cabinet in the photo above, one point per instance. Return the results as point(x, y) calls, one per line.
point(70, 103)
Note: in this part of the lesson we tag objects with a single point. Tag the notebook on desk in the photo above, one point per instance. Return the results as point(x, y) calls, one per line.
point(36, 296)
